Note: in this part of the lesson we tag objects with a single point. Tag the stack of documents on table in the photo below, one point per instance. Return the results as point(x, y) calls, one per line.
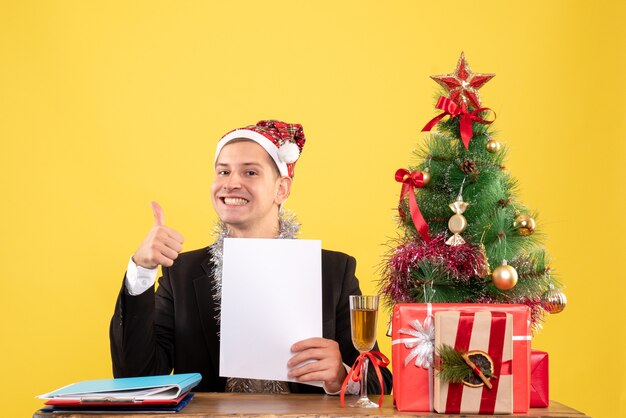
point(167, 393)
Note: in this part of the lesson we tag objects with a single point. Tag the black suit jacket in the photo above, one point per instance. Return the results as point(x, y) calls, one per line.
point(175, 327)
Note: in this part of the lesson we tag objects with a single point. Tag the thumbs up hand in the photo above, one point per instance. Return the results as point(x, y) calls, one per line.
point(162, 244)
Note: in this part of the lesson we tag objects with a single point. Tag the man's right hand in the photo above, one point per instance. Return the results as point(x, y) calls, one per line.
point(162, 244)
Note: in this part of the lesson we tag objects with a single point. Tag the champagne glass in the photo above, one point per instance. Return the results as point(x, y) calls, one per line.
point(363, 318)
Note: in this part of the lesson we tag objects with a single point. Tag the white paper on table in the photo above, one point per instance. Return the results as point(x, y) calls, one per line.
point(271, 298)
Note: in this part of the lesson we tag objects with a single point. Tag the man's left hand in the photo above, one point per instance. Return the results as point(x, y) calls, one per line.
point(328, 366)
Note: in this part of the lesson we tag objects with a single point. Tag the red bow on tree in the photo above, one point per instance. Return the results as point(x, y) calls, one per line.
point(466, 117)
point(411, 180)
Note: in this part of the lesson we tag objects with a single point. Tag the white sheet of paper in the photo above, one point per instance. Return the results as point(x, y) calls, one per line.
point(271, 298)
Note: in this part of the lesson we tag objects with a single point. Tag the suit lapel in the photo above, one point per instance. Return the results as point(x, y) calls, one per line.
point(328, 291)
point(206, 307)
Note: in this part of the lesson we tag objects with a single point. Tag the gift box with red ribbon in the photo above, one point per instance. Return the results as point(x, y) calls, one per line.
point(539, 382)
point(413, 335)
point(484, 340)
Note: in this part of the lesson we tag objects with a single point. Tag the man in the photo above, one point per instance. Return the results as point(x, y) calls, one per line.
point(177, 327)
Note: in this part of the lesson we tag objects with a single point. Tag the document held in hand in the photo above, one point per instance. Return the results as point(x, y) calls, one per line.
point(130, 389)
point(271, 298)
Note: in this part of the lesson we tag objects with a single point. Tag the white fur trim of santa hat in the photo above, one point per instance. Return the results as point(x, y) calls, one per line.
point(280, 158)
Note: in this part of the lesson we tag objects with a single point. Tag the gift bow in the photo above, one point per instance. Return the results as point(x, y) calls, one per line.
point(422, 343)
point(465, 123)
point(356, 372)
point(410, 180)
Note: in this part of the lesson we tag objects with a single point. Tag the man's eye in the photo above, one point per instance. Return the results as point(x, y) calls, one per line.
point(223, 172)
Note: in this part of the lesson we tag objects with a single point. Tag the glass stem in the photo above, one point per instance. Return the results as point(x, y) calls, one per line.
point(364, 380)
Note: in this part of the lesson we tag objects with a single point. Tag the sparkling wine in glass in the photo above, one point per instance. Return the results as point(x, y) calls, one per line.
point(363, 318)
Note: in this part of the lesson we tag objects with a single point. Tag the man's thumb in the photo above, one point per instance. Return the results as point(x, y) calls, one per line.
point(157, 211)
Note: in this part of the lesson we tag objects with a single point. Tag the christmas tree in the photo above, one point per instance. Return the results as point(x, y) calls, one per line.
point(465, 236)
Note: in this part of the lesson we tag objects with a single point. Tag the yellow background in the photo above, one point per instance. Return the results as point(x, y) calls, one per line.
point(106, 105)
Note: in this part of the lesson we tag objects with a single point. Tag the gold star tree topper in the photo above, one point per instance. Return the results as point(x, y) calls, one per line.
point(462, 84)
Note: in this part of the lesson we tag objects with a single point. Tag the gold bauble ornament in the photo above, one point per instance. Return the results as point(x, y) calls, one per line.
point(493, 146)
point(426, 176)
point(554, 301)
point(524, 224)
point(504, 277)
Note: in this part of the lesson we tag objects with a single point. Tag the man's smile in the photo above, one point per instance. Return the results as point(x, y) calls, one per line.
point(234, 201)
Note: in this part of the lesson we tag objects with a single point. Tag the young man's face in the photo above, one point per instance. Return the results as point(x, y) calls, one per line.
point(247, 190)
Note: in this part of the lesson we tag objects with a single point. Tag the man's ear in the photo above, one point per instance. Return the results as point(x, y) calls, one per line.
point(284, 189)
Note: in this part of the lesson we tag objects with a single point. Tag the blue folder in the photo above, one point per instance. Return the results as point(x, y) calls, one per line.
point(129, 389)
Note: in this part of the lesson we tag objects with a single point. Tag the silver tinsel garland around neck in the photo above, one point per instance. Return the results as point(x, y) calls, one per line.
point(288, 228)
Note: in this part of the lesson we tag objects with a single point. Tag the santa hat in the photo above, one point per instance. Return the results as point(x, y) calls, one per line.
point(282, 141)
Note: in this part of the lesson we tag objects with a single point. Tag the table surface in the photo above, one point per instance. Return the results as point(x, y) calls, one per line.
point(296, 405)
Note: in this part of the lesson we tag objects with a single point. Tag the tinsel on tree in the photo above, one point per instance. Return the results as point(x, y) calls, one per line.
point(465, 236)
